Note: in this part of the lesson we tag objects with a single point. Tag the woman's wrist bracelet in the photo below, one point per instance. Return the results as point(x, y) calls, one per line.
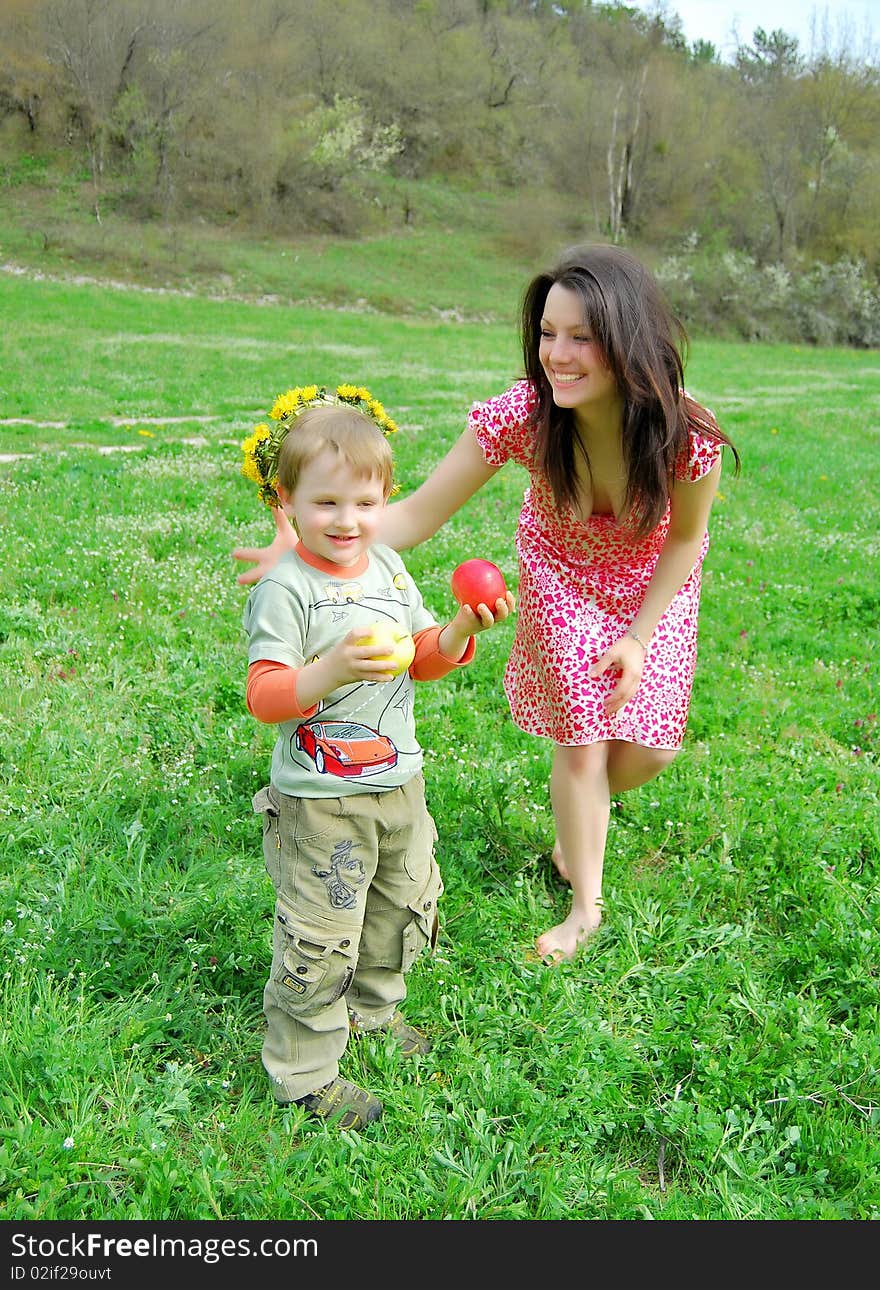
point(637, 637)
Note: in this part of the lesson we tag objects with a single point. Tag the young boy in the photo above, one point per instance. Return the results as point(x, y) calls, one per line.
point(347, 837)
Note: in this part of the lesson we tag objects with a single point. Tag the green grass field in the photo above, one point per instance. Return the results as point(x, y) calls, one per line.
point(713, 1054)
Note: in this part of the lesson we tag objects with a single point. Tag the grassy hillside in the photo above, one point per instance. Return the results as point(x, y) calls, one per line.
point(713, 1054)
point(461, 255)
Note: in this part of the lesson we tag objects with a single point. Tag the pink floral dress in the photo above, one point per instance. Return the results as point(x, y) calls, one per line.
point(581, 585)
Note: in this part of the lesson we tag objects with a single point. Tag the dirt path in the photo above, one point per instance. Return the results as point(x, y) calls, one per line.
point(197, 441)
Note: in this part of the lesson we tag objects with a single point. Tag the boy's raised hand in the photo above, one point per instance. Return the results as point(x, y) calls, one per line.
point(456, 634)
point(471, 623)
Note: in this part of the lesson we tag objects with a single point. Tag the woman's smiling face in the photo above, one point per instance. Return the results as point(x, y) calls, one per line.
point(571, 358)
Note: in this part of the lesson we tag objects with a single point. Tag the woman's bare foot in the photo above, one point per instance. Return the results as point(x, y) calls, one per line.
point(563, 941)
point(559, 863)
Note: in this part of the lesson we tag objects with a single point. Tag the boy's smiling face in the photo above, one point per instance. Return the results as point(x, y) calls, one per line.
point(336, 511)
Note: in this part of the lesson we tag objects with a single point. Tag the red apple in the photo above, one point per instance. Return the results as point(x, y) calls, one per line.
point(478, 582)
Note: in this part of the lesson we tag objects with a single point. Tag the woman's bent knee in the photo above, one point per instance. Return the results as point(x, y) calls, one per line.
point(631, 765)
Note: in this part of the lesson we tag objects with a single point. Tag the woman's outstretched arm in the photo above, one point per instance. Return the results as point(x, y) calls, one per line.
point(406, 523)
point(455, 479)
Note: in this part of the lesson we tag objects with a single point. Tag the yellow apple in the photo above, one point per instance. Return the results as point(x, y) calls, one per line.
point(400, 646)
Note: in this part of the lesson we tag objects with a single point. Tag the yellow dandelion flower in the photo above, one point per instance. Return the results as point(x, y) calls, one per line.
point(262, 446)
point(260, 433)
point(251, 470)
point(148, 434)
point(284, 403)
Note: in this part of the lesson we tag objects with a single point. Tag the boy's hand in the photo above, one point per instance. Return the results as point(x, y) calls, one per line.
point(455, 635)
point(348, 661)
point(471, 624)
point(353, 660)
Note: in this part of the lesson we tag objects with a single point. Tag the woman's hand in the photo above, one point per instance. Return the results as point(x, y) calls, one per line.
point(266, 557)
point(627, 655)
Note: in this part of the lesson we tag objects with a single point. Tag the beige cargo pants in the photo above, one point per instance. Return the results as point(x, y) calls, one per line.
point(356, 890)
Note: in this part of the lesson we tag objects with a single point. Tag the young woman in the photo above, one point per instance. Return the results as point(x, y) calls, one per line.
point(611, 539)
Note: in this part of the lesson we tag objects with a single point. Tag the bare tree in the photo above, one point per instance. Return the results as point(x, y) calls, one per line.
point(92, 44)
point(621, 156)
point(618, 48)
point(839, 109)
point(767, 123)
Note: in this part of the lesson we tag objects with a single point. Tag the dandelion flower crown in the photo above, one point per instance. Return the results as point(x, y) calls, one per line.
point(261, 448)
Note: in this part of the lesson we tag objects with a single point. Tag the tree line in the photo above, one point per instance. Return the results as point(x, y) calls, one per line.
point(292, 115)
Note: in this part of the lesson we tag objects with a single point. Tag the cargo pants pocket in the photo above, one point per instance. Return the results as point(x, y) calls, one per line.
point(313, 966)
point(267, 804)
point(422, 929)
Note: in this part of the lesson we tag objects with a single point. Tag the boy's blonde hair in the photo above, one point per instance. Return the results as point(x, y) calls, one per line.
point(339, 429)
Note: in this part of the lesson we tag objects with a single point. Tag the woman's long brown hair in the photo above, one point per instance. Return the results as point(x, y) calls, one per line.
point(645, 347)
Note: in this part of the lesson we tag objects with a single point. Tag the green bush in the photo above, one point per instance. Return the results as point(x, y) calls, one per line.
point(727, 293)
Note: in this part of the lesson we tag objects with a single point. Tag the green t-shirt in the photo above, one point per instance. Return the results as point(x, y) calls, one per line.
point(362, 739)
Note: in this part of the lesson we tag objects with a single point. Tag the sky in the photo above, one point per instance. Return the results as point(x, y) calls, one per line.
point(713, 20)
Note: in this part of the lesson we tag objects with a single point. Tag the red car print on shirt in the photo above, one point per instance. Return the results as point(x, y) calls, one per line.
point(345, 748)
